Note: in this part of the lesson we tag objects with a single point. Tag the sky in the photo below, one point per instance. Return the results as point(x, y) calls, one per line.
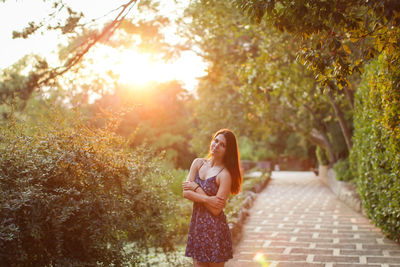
point(16, 14)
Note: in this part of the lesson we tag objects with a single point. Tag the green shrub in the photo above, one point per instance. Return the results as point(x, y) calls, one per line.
point(181, 221)
point(343, 170)
point(376, 150)
point(75, 196)
point(178, 176)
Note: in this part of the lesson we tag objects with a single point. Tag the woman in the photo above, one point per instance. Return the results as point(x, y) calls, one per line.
point(208, 185)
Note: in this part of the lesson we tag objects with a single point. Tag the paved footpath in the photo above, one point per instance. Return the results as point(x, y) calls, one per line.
point(297, 221)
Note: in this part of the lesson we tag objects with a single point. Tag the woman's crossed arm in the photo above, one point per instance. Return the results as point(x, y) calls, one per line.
point(195, 193)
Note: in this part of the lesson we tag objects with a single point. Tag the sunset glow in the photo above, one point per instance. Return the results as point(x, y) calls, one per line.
point(139, 69)
point(134, 68)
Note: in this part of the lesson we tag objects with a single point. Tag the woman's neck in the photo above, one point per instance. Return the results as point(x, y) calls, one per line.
point(215, 162)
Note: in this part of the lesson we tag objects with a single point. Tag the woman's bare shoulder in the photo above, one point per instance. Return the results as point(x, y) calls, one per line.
point(225, 175)
point(197, 162)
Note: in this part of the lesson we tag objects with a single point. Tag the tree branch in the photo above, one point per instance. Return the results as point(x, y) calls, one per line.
point(107, 32)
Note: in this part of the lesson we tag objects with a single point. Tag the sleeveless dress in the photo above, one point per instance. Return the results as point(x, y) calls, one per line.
point(209, 238)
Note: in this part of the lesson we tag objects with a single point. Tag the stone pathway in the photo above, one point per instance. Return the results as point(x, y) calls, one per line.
point(297, 221)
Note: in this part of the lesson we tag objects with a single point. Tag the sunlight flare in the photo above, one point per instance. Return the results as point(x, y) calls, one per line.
point(260, 258)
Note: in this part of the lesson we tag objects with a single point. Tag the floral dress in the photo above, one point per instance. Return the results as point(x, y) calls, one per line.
point(209, 238)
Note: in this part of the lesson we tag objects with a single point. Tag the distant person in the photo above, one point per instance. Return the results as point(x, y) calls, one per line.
point(208, 185)
point(276, 167)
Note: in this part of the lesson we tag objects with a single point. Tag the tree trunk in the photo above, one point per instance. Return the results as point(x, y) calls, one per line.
point(322, 136)
point(350, 95)
point(342, 121)
point(321, 139)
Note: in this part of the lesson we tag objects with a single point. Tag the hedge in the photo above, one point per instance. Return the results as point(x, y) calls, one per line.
point(376, 152)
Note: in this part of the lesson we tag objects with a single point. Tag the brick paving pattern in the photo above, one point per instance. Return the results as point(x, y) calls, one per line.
point(297, 221)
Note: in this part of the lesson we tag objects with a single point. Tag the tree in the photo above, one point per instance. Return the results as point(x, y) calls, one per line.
point(285, 93)
point(218, 101)
point(258, 64)
point(335, 38)
point(82, 37)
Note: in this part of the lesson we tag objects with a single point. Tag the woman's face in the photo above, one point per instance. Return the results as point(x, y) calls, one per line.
point(218, 146)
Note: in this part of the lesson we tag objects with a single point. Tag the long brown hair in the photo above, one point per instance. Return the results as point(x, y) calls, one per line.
point(231, 159)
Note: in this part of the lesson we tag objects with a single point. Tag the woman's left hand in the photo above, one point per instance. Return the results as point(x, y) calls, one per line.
point(189, 185)
point(216, 202)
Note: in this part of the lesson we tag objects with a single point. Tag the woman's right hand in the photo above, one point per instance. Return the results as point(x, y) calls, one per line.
point(216, 202)
point(189, 185)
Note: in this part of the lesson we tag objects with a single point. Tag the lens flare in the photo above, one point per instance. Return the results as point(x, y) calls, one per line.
point(260, 258)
